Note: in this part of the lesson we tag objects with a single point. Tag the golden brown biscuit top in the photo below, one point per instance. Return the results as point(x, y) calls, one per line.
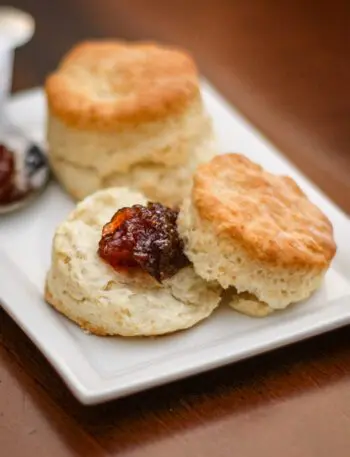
point(269, 214)
point(102, 84)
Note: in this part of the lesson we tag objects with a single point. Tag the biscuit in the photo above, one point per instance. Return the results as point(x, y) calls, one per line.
point(99, 299)
point(115, 106)
point(255, 231)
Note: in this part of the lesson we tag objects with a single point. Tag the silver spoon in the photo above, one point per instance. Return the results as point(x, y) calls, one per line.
point(32, 171)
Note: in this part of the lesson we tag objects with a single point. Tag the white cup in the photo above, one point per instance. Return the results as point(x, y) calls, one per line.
point(6, 67)
point(16, 29)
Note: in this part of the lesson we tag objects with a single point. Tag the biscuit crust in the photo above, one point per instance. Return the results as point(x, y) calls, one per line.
point(105, 85)
point(268, 215)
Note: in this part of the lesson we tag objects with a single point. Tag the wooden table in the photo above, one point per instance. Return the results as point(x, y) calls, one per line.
point(286, 65)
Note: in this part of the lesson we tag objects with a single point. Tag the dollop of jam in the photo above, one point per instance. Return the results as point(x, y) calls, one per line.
point(9, 191)
point(7, 169)
point(144, 237)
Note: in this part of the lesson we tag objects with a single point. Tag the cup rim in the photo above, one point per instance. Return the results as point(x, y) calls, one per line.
point(22, 22)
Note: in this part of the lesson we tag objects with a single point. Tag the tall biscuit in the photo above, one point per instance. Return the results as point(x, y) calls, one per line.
point(118, 111)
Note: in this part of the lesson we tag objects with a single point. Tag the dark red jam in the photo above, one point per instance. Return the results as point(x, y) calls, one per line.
point(144, 237)
point(7, 170)
point(9, 191)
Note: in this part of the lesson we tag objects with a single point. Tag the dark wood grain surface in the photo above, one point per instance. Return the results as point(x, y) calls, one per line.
point(286, 65)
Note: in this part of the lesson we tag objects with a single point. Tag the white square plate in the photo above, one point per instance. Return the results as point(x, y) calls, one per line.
point(98, 369)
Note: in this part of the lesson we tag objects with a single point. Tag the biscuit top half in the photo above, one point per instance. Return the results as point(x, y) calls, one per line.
point(268, 215)
point(106, 84)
